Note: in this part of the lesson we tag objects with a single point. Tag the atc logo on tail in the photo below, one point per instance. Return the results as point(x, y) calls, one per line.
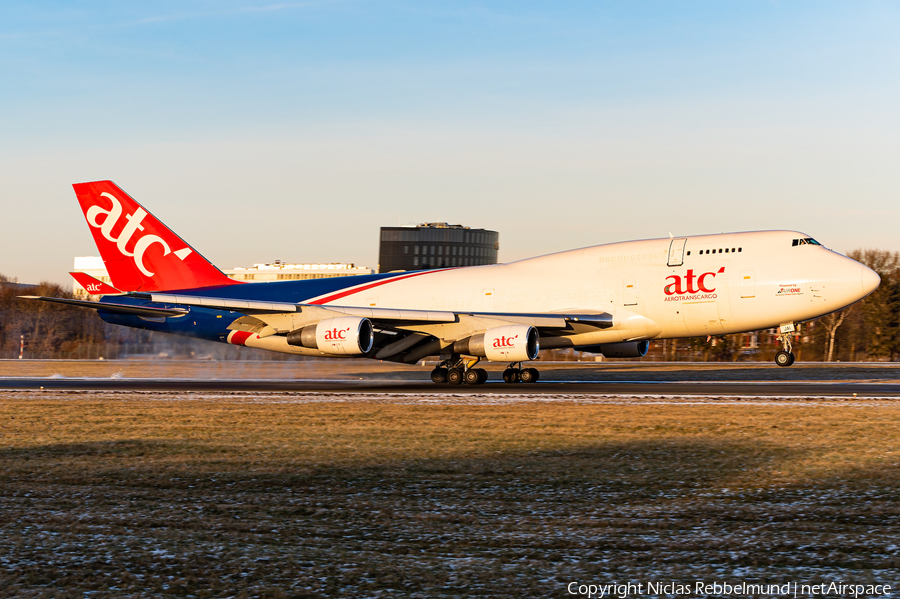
point(137, 248)
point(133, 224)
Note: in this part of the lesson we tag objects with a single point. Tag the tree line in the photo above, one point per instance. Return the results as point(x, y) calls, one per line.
point(57, 331)
point(866, 331)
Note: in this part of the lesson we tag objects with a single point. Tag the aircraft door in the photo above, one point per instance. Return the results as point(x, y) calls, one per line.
point(676, 251)
point(488, 299)
point(702, 318)
point(748, 284)
point(629, 293)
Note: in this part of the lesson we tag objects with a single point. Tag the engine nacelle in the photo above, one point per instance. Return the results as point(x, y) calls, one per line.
point(625, 349)
point(343, 336)
point(511, 343)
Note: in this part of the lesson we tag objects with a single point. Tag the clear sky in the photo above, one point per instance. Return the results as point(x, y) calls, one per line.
point(292, 131)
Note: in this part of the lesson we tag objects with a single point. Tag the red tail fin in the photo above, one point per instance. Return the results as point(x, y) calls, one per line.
point(141, 253)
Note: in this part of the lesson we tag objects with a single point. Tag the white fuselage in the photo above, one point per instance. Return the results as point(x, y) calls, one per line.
point(658, 288)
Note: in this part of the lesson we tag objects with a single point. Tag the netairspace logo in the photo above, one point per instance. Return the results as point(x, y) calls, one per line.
point(740, 589)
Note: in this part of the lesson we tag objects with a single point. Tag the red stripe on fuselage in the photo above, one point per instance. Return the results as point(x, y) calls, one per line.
point(341, 294)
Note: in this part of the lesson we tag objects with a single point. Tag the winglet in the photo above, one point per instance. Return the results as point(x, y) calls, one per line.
point(93, 286)
point(140, 252)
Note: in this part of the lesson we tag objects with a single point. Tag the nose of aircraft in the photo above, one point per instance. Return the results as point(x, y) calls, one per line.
point(870, 279)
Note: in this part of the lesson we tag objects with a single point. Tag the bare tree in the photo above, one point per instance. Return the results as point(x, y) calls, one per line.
point(831, 324)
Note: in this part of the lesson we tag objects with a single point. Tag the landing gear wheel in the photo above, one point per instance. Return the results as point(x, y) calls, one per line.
point(482, 376)
point(473, 377)
point(439, 375)
point(511, 375)
point(455, 376)
point(784, 358)
point(530, 375)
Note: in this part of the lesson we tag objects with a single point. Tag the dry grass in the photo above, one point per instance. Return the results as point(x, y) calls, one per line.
point(124, 495)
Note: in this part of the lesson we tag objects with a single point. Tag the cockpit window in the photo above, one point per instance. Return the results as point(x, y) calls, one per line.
point(805, 241)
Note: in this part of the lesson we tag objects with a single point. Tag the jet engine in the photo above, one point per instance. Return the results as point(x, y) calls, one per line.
point(625, 349)
point(511, 343)
point(343, 336)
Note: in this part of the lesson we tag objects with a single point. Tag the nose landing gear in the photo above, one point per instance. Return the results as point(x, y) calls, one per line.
point(785, 357)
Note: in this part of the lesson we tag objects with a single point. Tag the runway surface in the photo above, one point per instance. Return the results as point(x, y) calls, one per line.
point(550, 387)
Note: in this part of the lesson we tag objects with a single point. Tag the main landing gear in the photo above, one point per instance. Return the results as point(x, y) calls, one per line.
point(785, 357)
point(512, 374)
point(457, 371)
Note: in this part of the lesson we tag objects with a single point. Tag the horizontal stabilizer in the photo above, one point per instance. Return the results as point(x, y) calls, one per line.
point(108, 307)
point(93, 286)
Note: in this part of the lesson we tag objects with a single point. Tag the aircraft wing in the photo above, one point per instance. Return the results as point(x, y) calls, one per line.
point(385, 316)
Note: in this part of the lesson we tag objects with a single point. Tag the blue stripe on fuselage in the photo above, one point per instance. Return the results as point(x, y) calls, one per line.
point(203, 323)
point(212, 324)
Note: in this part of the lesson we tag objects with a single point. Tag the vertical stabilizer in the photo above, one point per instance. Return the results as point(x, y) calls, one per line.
point(140, 252)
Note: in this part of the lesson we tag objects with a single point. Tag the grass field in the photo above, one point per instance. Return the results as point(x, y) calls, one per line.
point(142, 495)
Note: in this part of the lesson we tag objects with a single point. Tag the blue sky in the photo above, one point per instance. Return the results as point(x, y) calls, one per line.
point(262, 131)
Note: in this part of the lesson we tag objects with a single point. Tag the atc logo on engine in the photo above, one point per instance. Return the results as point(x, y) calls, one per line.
point(337, 334)
point(505, 341)
point(681, 288)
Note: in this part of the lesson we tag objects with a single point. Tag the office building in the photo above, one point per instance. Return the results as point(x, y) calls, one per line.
point(436, 245)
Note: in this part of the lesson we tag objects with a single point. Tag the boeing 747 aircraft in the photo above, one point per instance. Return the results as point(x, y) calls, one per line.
point(611, 299)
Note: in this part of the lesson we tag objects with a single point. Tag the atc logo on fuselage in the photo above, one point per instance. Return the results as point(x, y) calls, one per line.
point(681, 288)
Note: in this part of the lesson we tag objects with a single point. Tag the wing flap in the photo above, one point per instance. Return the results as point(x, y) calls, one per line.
point(247, 306)
point(391, 315)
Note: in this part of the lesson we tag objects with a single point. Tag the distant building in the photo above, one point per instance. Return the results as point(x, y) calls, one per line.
point(283, 271)
point(92, 265)
point(436, 245)
point(258, 273)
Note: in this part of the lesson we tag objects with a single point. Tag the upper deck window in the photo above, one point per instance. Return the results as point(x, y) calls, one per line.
point(805, 241)
point(726, 250)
